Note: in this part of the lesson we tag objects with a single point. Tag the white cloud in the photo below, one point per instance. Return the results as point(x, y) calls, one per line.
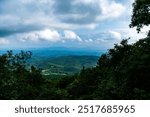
point(88, 40)
point(110, 10)
point(134, 36)
point(65, 16)
point(49, 35)
point(32, 36)
point(131, 33)
point(68, 34)
point(3, 41)
point(43, 35)
point(115, 35)
point(41, 13)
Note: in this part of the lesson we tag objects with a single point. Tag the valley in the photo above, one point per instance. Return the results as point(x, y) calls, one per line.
point(63, 65)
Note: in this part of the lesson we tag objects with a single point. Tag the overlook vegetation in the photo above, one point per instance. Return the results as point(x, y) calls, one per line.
point(121, 73)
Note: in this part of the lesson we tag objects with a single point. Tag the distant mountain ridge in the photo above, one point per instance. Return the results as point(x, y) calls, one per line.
point(61, 51)
point(58, 51)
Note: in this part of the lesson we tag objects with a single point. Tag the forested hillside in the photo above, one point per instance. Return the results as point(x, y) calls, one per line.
point(64, 65)
point(121, 73)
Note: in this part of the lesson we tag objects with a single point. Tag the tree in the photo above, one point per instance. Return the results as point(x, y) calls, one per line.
point(17, 79)
point(141, 14)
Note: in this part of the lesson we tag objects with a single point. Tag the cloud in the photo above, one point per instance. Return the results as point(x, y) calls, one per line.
point(43, 35)
point(70, 35)
point(49, 35)
point(31, 15)
point(90, 40)
point(133, 35)
point(3, 41)
point(110, 10)
point(91, 22)
point(115, 35)
point(73, 12)
point(104, 9)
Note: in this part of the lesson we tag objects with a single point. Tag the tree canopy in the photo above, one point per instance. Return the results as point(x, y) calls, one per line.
point(141, 14)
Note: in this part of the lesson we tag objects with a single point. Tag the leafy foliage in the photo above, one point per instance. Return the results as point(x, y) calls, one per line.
point(141, 14)
point(122, 73)
point(17, 79)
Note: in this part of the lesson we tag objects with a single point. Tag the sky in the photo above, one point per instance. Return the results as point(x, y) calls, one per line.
point(91, 24)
